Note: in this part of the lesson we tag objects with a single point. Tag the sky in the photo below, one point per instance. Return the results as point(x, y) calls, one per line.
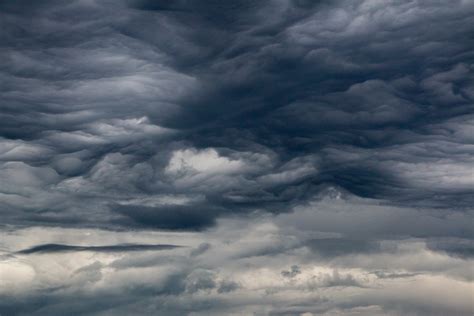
point(270, 157)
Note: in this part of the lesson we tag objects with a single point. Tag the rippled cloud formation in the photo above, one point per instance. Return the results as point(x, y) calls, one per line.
point(273, 157)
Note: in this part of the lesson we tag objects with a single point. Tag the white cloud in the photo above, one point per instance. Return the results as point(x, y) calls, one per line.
point(207, 161)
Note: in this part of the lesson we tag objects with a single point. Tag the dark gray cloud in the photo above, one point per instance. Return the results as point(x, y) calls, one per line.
point(186, 217)
point(346, 125)
point(462, 248)
point(301, 94)
point(53, 248)
point(341, 246)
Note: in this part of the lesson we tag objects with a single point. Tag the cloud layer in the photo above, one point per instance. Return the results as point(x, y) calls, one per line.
point(311, 157)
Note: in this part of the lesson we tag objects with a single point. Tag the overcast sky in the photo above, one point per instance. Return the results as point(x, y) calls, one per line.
point(266, 157)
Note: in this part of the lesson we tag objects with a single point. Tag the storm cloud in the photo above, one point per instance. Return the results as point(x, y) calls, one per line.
point(308, 157)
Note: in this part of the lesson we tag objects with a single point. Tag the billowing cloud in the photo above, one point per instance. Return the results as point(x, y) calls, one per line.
point(310, 157)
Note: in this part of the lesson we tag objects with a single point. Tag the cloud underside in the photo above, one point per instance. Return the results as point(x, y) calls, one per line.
point(53, 248)
point(308, 157)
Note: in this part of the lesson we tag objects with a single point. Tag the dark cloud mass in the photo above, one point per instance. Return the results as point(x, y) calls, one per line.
point(50, 248)
point(296, 149)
